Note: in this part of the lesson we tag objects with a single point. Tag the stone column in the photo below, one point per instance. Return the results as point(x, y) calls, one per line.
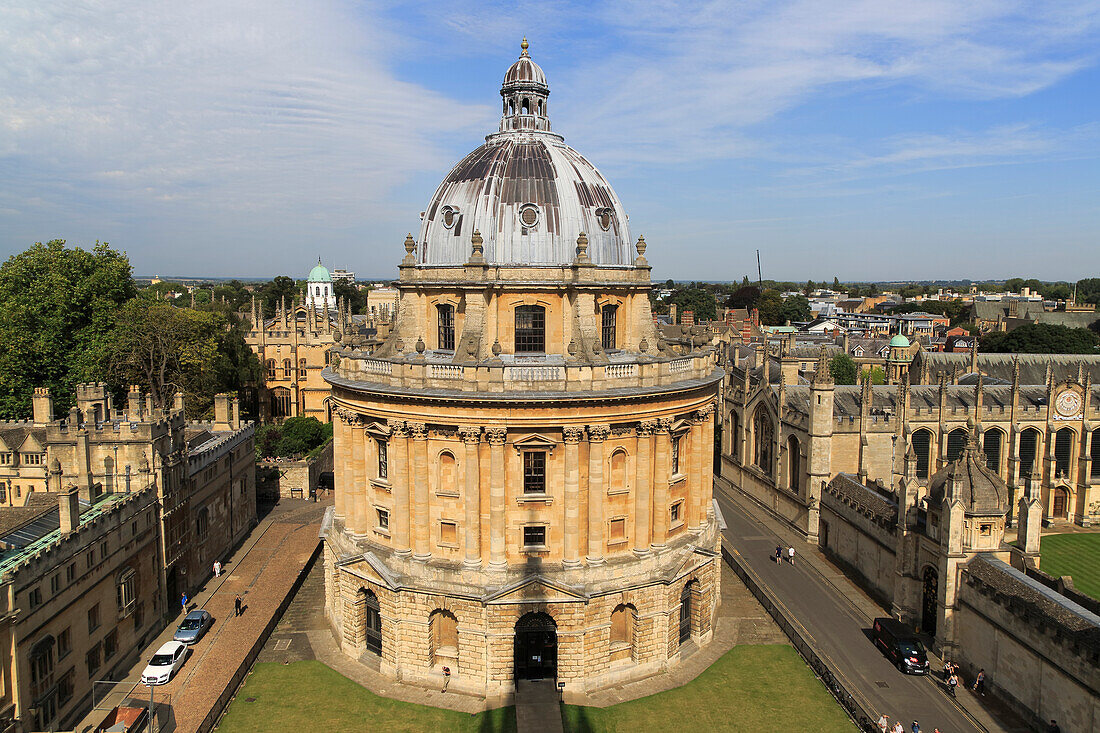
point(342, 457)
point(597, 493)
point(357, 511)
point(693, 520)
point(643, 487)
point(471, 436)
point(497, 550)
point(399, 476)
point(663, 453)
point(421, 530)
point(702, 439)
point(708, 462)
point(572, 437)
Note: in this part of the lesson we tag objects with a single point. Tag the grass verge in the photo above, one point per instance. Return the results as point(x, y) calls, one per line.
point(1077, 555)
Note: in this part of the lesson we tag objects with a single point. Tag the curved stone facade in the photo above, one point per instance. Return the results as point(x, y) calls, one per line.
point(523, 479)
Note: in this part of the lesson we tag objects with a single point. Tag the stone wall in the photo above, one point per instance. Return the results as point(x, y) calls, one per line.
point(1040, 651)
point(864, 548)
point(297, 478)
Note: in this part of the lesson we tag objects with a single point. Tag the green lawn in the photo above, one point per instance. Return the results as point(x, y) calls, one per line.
point(751, 689)
point(1073, 554)
point(308, 697)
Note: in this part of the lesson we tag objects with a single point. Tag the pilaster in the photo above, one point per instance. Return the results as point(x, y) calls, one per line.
point(571, 548)
point(597, 493)
point(421, 519)
point(497, 549)
point(643, 487)
point(471, 437)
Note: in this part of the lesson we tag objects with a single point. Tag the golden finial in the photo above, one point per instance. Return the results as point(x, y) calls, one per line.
point(524, 45)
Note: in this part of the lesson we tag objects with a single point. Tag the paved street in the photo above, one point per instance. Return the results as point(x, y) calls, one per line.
point(263, 570)
point(837, 614)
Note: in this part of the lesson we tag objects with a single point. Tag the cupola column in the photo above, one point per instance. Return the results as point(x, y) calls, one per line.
point(571, 547)
point(497, 550)
point(471, 437)
point(663, 450)
point(643, 487)
point(357, 517)
point(419, 455)
point(398, 454)
point(597, 493)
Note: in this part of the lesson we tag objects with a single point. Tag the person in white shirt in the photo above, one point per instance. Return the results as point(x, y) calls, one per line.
point(790, 555)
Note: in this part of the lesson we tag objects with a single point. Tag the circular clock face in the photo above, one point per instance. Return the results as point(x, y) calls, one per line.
point(1068, 403)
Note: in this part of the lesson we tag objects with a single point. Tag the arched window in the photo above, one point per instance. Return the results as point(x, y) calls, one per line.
point(735, 442)
point(271, 368)
point(286, 367)
point(622, 631)
point(794, 463)
point(1063, 452)
point(371, 618)
point(280, 402)
point(617, 475)
point(922, 449)
point(1029, 445)
point(126, 592)
point(42, 660)
point(1094, 470)
point(992, 441)
point(443, 629)
point(525, 106)
point(445, 316)
point(530, 329)
point(687, 607)
point(302, 368)
point(448, 474)
point(762, 438)
point(607, 328)
point(956, 441)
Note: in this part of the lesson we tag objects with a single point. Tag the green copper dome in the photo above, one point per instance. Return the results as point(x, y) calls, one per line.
point(898, 340)
point(320, 274)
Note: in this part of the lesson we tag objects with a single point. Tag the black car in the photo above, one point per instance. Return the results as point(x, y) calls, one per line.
point(900, 645)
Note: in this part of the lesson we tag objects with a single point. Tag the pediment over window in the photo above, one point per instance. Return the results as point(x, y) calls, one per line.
point(680, 426)
point(536, 441)
point(378, 430)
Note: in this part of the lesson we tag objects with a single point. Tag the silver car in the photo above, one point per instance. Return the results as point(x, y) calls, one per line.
point(193, 626)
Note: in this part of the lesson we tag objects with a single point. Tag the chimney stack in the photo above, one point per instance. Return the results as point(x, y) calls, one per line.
point(235, 406)
point(133, 403)
point(42, 404)
point(221, 412)
point(177, 401)
point(69, 508)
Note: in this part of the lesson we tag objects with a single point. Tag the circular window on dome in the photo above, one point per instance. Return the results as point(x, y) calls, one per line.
point(450, 216)
point(605, 218)
point(529, 215)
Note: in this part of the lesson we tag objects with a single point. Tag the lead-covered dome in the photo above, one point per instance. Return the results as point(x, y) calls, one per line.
point(968, 478)
point(528, 193)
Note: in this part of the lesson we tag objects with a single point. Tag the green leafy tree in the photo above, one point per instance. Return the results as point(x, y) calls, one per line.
point(770, 304)
point(354, 297)
point(1042, 338)
point(843, 368)
point(697, 300)
point(165, 350)
point(744, 297)
point(836, 283)
point(1088, 290)
point(296, 436)
point(796, 308)
point(57, 308)
point(878, 376)
point(282, 288)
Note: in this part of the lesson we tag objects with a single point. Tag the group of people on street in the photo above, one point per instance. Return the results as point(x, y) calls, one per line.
point(950, 676)
point(885, 727)
point(238, 602)
point(780, 553)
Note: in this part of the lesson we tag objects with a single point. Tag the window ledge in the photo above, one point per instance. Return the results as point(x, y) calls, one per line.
point(448, 494)
point(612, 543)
point(532, 498)
point(536, 548)
point(448, 545)
point(383, 532)
point(618, 492)
point(677, 526)
point(677, 478)
point(380, 483)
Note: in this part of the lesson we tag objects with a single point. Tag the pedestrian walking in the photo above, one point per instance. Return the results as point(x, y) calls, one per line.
point(790, 555)
point(446, 678)
point(778, 554)
point(238, 605)
point(883, 723)
point(979, 682)
point(1053, 727)
point(916, 727)
point(898, 727)
point(183, 602)
point(952, 683)
point(217, 568)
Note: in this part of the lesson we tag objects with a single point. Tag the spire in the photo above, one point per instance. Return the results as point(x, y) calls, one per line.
point(823, 376)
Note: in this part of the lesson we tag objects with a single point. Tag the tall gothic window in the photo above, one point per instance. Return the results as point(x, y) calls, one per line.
point(1029, 444)
point(763, 435)
point(445, 314)
point(1063, 451)
point(607, 330)
point(922, 446)
point(530, 328)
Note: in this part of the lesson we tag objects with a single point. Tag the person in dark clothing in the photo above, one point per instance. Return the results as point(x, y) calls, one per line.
point(979, 682)
point(1053, 727)
point(778, 554)
point(238, 605)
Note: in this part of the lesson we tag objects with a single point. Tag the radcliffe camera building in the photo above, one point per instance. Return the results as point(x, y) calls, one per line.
point(523, 467)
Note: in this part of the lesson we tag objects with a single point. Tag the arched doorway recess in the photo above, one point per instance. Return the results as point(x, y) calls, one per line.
point(536, 647)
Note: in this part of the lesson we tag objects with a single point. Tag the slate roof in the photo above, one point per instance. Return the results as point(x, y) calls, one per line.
point(981, 490)
point(864, 499)
point(14, 433)
point(1033, 367)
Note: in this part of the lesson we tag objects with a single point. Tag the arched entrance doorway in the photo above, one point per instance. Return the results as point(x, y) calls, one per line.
point(372, 621)
point(536, 647)
point(1060, 508)
point(930, 607)
point(685, 613)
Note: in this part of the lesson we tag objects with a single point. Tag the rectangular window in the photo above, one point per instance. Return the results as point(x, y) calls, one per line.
point(126, 594)
point(65, 687)
point(93, 618)
point(32, 459)
point(618, 530)
point(70, 572)
point(530, 329)
point(34, 598)
point(92, 660)
point(110, 644)
point(534, 536)
point(5, 459)
point(446, 317)
point(448, 533)
point(676, 512)
point(534, 472)
point(607, 326)
point(383, 519)
point(202, 524)
point(55, 583)
point(64, 642)
point(675, 456)
point(383, 459)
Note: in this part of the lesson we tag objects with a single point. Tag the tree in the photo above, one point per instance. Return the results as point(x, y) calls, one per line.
point(796, 308)
point(877, 375)
point(165, 350)
point(1088, 290)
point(836, 283)
point(843, 368)
point(354, 297)
point(57, 308)
point(744, 297)
point(281, 289)
point(669, 284)
point(1042, 338)
point(698, 300)
point(770, 304)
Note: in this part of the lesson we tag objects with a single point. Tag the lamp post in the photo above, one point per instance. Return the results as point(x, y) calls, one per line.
point(152, 712)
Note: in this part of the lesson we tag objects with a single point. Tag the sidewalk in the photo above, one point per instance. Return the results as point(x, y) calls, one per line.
point(263, 571)
point(985, 711)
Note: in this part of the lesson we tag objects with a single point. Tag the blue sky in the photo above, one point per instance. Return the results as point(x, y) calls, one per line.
point(867, 140)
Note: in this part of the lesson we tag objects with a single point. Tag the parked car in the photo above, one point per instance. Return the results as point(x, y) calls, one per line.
point(193, 626)
point(900, 645)
point(165, 663)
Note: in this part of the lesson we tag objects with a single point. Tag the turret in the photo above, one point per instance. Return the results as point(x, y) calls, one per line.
point(42, 406)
